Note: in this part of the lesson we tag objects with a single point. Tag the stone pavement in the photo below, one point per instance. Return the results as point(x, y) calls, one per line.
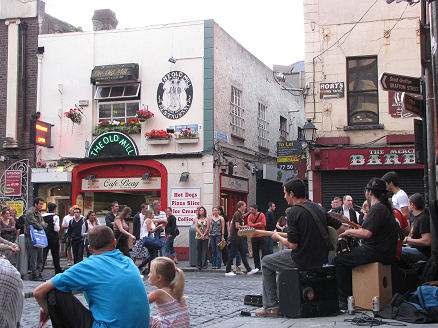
point(214, 301)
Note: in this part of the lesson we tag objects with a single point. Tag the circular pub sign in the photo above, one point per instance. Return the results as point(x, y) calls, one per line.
point(112, 144)
point(175, 95)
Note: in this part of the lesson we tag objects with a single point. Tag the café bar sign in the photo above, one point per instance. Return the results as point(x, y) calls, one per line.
point(114, 73)
point(112, 144)
point(112, 184)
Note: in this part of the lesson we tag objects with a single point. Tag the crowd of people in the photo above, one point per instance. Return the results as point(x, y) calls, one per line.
point(395, 230)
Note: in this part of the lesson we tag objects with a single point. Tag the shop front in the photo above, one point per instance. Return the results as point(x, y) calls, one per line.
point(232, 189)
point(339, 172)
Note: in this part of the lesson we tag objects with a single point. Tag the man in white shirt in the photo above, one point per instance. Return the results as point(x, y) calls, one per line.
point(64, 225)
point(347, 209)
point(159, 218)
point(400, 199)
point(52, 231)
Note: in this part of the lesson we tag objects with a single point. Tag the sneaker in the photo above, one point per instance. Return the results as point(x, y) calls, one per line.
point(233, 268)
point(239, 271)
point(230, 274)
point(253, 271)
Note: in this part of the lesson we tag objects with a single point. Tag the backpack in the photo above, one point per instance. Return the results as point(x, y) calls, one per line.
point(427, 301)
point(430, 271)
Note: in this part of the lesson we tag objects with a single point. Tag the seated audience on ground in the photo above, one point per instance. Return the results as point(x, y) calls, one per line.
point(169, 297)
point(111, 284)
point(11, 295)
point(419, 241)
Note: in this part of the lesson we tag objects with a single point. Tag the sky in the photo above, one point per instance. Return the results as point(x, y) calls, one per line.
point(272, 31)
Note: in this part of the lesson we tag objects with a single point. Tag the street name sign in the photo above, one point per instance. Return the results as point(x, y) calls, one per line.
point(400, 83)
point(412, 104)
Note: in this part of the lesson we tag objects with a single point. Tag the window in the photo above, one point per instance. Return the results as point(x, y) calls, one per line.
point(117, 91)
point(263, 126)
point(117, 111)
point(283, 128)
point(363, 104)
point(237, 120)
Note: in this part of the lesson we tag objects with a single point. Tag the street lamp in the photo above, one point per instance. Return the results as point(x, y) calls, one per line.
point(308, 134)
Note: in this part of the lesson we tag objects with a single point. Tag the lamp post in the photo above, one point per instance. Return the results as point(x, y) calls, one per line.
point(308, 139)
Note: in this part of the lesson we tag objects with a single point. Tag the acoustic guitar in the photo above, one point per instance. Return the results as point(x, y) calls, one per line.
point(251, 231)
point(343, 219)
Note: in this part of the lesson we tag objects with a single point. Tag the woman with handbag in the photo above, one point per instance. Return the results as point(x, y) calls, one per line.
point(216, 233)
point(152, 232)
point(202, 226)
point(171, 232)
point(121, 232)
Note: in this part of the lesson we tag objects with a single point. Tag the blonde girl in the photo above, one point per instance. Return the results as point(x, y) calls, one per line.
point(169, 297)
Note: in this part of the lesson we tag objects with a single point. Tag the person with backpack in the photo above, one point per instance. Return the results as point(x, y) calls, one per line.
point(52, 230)
point(74, 235)
point(90, 222)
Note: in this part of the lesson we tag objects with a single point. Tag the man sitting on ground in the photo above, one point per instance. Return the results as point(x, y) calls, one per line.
point(112, 287)
point(306, 245)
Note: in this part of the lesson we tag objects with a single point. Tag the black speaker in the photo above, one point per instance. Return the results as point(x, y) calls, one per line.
point(308, 293)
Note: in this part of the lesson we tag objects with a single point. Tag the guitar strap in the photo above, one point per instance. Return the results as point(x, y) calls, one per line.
point(323, 231)
point(257, 218)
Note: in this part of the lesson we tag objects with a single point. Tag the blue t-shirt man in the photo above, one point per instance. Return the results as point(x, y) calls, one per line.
point(112, 287)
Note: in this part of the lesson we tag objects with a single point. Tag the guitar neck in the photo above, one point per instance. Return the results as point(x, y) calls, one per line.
point(268, 233)
point(343, 219)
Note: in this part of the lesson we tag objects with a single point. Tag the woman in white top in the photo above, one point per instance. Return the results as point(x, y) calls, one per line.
point(151, 228)
point(140, 231)
point(90, 222)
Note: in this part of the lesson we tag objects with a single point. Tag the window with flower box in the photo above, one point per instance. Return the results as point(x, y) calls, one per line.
point(237, 120)
point(263, 127)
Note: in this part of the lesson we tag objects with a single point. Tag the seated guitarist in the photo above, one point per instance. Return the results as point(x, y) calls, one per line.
point(379, 234)
point(305, 246)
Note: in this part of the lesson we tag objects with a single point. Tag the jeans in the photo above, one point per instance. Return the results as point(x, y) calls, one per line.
point(35, 258)
point(347, 261)
point(237, 246)
point(77, 247)
point(258, 244)
point(168, 247)
point(163, 239)
point(271, 264)
point(66, 311)
point(269, 244)
point(216, 254)
point(153, 253)
point(201, 247)
point(411, 255)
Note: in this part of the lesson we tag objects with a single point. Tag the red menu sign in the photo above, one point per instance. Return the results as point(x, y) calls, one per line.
point(13, 183)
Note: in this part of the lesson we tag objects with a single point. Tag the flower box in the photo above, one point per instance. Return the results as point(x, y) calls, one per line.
point(186, 140)
point(158, 141)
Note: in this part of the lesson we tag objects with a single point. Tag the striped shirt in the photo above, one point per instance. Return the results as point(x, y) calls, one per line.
point(173, 314)
point(11, 295)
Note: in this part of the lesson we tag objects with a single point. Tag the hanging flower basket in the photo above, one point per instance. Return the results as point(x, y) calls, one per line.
point(144, 114)
point(74, 114)
point(132, 126)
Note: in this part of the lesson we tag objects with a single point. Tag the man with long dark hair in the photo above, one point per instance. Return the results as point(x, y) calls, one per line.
point(379, 235)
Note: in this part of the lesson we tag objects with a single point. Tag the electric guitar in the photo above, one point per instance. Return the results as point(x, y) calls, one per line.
point(343, 219)
point(251, 231)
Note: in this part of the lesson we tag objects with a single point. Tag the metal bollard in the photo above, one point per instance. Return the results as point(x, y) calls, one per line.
point(22, 262)
point(193, 252)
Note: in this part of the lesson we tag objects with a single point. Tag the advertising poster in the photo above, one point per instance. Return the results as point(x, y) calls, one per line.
point(184, 202)
point(13, 183)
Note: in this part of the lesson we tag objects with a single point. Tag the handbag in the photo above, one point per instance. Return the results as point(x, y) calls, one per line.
point(153, 243)
point(222, 244)
point(176, 232)
point(38, 238)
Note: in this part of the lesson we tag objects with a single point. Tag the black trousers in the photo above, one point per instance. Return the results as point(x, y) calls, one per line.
point(346, 262)
point(153, 253)
point(66, 311)
point(77, 247)
point(53, 247)
point(237, 246)
point(201, 247)
point(258, 244)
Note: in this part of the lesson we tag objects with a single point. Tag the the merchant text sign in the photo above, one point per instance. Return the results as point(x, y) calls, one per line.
point(184, 203)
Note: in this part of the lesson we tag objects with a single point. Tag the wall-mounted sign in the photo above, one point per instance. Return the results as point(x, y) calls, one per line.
point(17, 206)
point(288, 152)
point(220, 136)
point(175, 95)
point(12, 183)
point(401, 83)
point(193, 127)
point(111, 184)
point(43, 133)
point(184, 202)
point(331, 90)
point(395, 105)
point(234, 184)
point(270, 172)
point(112, 144)
point(112, 73)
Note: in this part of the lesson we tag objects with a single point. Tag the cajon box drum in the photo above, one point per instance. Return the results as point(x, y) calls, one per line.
point(308, 293)
point(369, 280)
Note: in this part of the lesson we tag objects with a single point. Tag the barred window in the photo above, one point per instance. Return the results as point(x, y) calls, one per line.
point(283, 128)
point(237, 120)
point(263, 127)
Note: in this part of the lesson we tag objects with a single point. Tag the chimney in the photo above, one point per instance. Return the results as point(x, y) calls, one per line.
point(104, 19)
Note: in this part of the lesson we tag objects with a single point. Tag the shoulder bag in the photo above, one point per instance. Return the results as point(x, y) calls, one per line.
point(38, 238)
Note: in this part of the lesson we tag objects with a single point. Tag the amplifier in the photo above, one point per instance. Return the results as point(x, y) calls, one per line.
point(308, 293)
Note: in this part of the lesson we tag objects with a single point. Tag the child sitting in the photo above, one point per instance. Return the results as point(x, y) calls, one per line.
point(172, 309)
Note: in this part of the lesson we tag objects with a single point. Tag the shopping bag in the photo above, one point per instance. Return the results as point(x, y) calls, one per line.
point(153, 243)
point(38, 238)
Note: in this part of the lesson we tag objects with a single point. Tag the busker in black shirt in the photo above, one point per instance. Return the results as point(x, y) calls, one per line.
point(379, 234)
point(111, 216)
point(419, 242)
point(305, 244)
